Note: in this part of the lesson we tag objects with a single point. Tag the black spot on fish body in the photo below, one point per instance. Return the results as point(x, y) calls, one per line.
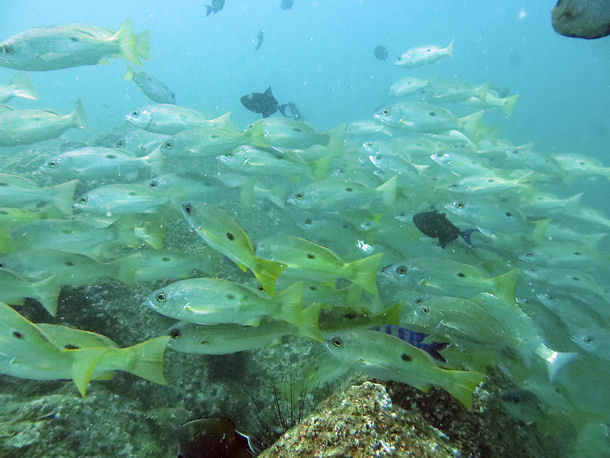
point(406, 357)
point(204, 342)
point(461, 275)
point(230, 236)
point(71, 347)
point(69, 263)
point(175, 333)
point(17, 334)
point(310, 256)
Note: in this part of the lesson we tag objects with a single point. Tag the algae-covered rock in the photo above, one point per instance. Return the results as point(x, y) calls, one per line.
point(362, 421)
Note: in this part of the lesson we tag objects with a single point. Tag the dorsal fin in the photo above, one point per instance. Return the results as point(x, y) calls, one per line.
point(268, 92)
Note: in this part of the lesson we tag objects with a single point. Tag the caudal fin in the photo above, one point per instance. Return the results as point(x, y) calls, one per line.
point(508, 104)
point(257, 135)
point(363, 272)
point(449, 48)
point(462, 385)
point(47, 292)
point(466, 235)
point(146, 359)
point(83, 364)
point(143, 44)
point(504, 286)
point(471, 126)
point(554, 360)
point(23, 86)
point(128, 42)
point(78, 115)
point(63, 196)
point(266, 272)
point(387, 192)
point(289, 303)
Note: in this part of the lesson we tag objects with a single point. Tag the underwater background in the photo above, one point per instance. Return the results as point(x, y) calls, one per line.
point(320, 56)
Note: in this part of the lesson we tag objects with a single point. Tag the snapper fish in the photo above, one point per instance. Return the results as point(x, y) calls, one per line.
point(53, 352)
point(315, 262)
point(407, 85)
point(221, 232)
point(19, 192)
point(436, 225)
point(24, 127)
point(389, 358)
point(423, 55)
point(210, 301)
point(171, 119)
point(64, 46)
point(153, 88)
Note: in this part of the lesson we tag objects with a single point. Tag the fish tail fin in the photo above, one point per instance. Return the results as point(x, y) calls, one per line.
point(78, 115)
point(504, 286)
point(434, 349)
point(47, 293)
point(467, 234)
point(449, 48)
point(208, 10)
point(289, 302)
point(23, 86)
point(308, 322)
point(267, 272)
point(257, 136)
point(83, 364)
point(387, 192)
point(320, 167)
point(224, 120)
point(155, 161)
point(63, 196)
point(554, 360)
point(540, 228)
point(462, 385)
point(143, 44)
point(128, 42)
point(392, 314)
point(145, 359)
point(364, 272)
point(129, 74)
point(152, 233)
point(472, 127)
point(509, 104)
point(282, 109)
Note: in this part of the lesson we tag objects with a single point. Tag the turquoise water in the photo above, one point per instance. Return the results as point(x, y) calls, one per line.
point(319, 55)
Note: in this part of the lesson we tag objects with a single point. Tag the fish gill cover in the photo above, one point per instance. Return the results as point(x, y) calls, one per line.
point(416, 244)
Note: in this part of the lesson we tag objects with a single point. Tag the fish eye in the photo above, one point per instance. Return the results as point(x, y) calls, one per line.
point(337, 342)
point(152, 184)
point(120, 143)
point(83, 200)
point(187, 208)
point(160, 297)
point(425, 310)
point(401, 270)
point(386, 112)
point(135, 114)
point(7, 49)
point(459, 205)
point(229, 154)
point(260, 288)
point(52, 164)
point(174, 333)
point(299, 196)
point(168, 145)
point(588, 339)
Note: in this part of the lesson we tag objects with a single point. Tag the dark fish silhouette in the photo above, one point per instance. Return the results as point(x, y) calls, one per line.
point(215, 7)
point(381, 53)
point(436, 225)
point(259, 40)
point(286, 4)
point(582, 18)
point(266, 104)
point(212, 437)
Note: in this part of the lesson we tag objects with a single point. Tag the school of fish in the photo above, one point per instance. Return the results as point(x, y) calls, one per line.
point(248, 235)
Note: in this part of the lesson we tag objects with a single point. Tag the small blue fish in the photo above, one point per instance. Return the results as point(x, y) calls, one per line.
point(415, 339)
